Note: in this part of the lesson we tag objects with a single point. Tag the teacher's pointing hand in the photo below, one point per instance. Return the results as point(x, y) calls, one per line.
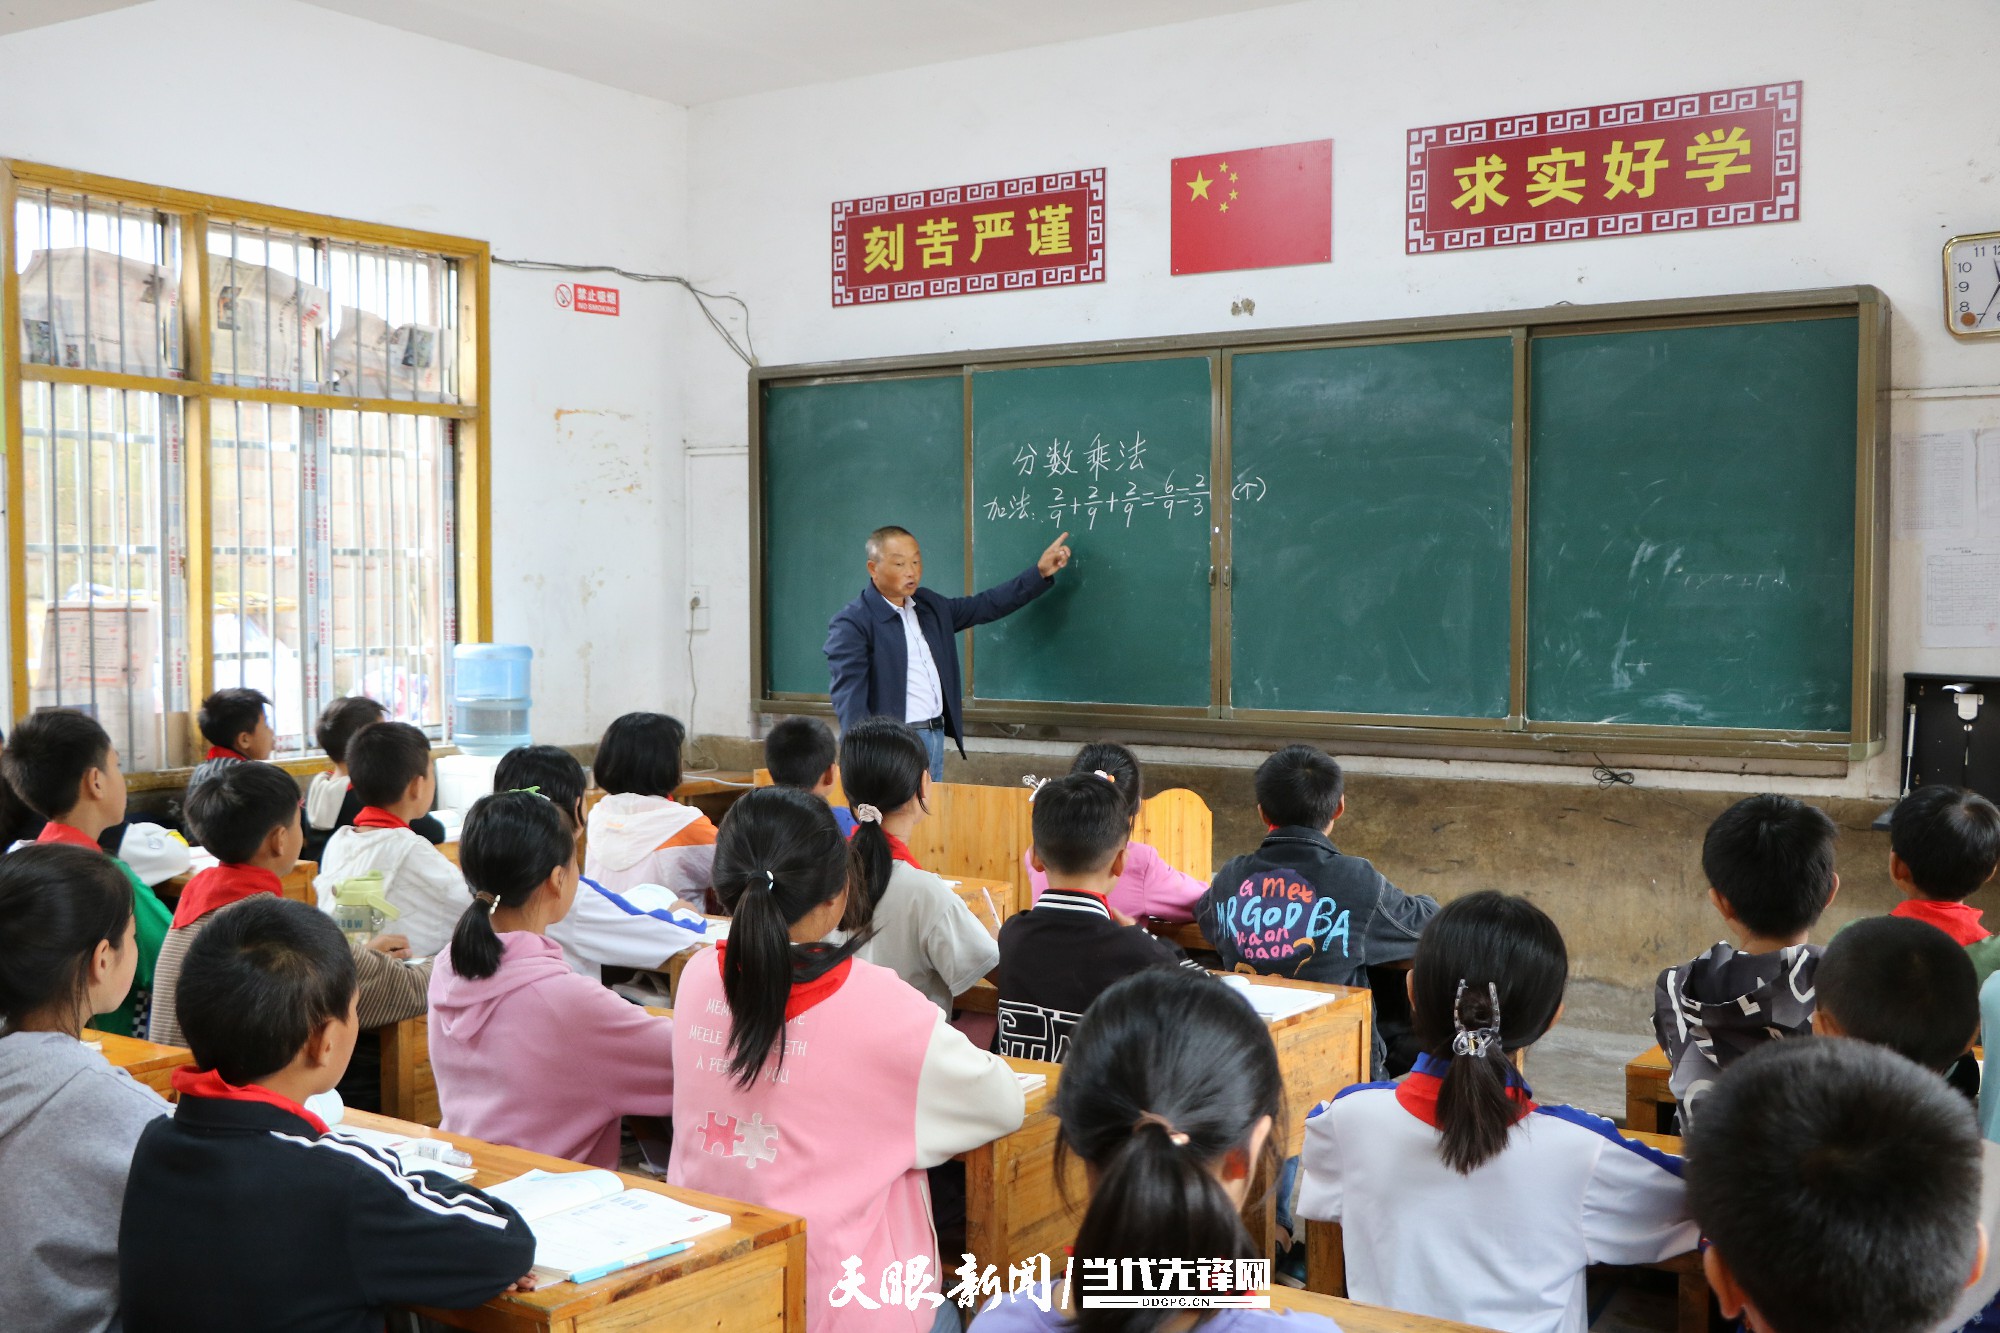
point(1055, 557)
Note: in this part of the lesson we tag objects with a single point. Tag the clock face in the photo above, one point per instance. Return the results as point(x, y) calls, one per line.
point(1972, 284)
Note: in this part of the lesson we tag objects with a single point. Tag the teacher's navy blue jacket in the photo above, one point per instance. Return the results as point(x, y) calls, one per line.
point(870, 659)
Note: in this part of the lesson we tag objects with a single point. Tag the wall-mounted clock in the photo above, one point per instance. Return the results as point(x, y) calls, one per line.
point(1972, 285)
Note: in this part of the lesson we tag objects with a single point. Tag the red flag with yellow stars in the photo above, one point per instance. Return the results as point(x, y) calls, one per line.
point(1254, 208)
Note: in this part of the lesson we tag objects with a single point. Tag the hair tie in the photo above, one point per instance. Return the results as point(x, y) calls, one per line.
point(1174, 1136)
point(867, 814)
point(770, 882)
point(1034, 786)
point(492, 900)
point(1475, 1042)
point(1106, 776)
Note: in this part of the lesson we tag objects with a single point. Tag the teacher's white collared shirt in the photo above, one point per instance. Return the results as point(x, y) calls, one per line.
point(923, 696)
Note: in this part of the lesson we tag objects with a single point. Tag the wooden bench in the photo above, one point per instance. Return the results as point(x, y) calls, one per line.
point(409, 1086)
point(748, 1277)
point(148, 1061)
point(1649, 1102)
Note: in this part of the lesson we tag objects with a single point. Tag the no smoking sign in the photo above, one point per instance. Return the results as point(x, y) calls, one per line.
point(586, 299)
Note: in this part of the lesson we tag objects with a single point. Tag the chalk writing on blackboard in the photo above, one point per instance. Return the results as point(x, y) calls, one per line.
point(1085, 503)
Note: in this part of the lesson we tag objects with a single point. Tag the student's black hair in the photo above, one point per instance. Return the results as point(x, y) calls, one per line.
point(258, 981)
point(1903, 984)
point(1948, 837)
point(1158, 1055)
point(1840, 1184)
point(339, 720)
point(49, 754)
point(1080, 821)
point(56, 904)
point(1483, 940)
point(1299, 787)
point(550, 770)
point(778, 855)
point(1122, 766)
point(384, 759)
point(882, 763)
point(881, 535)
point(17, 821)
point(229, 714)
point(1771, 859)
point(513, 841)
point(640, 755)
point(799, 751)
point(233, 812)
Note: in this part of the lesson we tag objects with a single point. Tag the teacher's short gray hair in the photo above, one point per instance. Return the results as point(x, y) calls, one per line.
point(883, 534)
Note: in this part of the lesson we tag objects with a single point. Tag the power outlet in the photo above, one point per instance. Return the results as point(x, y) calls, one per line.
point(698, 608)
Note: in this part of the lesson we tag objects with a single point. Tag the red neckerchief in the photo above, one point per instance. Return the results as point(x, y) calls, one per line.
point(374, 816)
point(1954, 919)
point(219, 886)
point(69, 837)
point(805, 994)
point(1418, 1094)
point(224, 752)
point(192, 1082)
point(898, 849)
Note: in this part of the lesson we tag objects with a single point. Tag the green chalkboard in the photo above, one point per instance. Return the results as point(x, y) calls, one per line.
point(1372, 528)
point(840, 460)
point(1117, 453)
point(1691, 526)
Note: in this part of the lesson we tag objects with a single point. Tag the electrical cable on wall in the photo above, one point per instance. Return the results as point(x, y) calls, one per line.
point(745, 350)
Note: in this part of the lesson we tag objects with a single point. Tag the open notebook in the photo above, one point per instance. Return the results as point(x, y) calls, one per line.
point(587, 1224)
point(1275, 1002)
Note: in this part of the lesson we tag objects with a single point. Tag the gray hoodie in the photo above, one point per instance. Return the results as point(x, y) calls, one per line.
point(68, 1124)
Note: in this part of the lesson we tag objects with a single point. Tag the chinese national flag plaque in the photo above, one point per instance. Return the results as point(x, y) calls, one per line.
point(1254, 208)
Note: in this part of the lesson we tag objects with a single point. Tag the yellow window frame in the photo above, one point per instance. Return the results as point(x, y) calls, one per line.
point(195, 212)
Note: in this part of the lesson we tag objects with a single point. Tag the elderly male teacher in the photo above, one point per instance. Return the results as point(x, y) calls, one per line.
point(893, 651)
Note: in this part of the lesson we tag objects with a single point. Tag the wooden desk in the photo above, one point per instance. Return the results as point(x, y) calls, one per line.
point(409, 1086)
point(1187, 934)
point(974, 893)
point(1013, 1208)
point(149, 1062)
point(1649, 1102)
point(1353, 1317)
point(297, 886)
point(749, 1277)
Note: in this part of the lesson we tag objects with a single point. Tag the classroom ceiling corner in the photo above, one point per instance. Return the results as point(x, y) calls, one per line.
point(693, 51)
point(21, 15)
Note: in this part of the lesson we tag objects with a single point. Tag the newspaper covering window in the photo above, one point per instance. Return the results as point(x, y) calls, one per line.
point(89, 310)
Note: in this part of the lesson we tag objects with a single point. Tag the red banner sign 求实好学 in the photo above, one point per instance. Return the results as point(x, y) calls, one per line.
point(997, 236)
point(1716, 159)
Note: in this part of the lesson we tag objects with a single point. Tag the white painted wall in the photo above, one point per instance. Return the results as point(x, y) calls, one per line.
point(287, 104)
point(1899, 153)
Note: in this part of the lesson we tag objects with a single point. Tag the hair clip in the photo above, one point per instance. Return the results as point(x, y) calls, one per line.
point(867, 814)
point(1034, 786)
point(1475, 1042)
point(770, 882)
point(532, 791)
point(1106, 776)
point(1174, 1136)
point(492, 900)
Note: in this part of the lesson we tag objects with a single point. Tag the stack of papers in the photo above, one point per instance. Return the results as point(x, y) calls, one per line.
point(415, 1154)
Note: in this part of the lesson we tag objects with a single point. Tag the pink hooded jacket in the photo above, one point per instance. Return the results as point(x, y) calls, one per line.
point(540, 1058)
point(1149, 886)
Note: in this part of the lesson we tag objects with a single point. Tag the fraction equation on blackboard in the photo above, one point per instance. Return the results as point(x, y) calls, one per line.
point(1114, 496)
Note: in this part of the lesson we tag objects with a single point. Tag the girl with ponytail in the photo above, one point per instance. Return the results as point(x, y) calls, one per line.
point(525, 1050)
point(923, 931)
point(1171, 1097)
point(815, 1082)
point(1471, 1202)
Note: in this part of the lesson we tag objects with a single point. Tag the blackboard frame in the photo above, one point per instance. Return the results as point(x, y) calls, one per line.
point(1514, 736)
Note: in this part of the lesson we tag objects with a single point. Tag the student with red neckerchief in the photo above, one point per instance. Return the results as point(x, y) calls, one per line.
point(924, 932)
point(236, 723)
point(390, 767)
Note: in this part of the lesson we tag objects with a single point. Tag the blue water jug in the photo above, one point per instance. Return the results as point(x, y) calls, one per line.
point(491, 698)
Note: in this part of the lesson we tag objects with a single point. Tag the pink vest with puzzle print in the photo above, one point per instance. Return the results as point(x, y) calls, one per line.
point(831, 1137)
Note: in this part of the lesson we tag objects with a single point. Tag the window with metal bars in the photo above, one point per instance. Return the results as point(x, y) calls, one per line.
point(315, 378)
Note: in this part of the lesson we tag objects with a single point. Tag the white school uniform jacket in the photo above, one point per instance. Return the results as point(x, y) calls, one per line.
point(1504, 1247)
point(605, 929)
point(650, 840)
point(417, 880)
